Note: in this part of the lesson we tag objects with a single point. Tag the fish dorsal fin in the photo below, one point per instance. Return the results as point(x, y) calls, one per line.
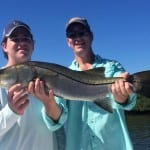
point(96, 71)
point(89, 76)
point(92, 76)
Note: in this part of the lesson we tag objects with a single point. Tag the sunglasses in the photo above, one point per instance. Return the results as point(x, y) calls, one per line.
point(21, 39)
point(74, 34)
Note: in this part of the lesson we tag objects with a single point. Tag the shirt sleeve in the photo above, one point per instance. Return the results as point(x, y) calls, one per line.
point(7, 119)
point(130, 104)
point(50, 123)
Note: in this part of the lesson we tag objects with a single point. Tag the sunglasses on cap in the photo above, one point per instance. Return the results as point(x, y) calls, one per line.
point(74, 34)
point(21, 39)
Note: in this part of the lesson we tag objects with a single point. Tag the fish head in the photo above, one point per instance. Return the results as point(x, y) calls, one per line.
point(7, 77)
point(20, 73)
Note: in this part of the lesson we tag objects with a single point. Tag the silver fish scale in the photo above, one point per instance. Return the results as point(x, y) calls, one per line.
point(25, 74)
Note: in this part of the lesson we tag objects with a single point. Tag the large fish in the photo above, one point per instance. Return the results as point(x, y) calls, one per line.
point(90, 85)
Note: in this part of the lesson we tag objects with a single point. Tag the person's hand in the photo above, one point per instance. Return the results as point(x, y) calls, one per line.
point(18, 99)
point(121, 89)
point(36, 88)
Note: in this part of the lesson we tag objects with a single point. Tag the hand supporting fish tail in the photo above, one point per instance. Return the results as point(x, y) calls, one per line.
point(122, 89)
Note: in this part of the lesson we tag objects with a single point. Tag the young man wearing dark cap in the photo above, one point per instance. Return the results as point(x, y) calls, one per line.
point(89, 127)
point(21, 124)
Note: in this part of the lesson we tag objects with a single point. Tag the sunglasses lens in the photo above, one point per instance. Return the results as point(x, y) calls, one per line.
point(81, 33)
point(73, 34)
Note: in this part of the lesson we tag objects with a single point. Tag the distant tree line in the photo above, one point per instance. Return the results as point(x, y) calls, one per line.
point(142, 104)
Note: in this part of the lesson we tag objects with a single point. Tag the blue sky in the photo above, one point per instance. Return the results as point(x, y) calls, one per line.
point(121, 28)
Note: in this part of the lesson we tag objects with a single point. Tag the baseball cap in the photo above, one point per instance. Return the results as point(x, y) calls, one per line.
point(82, 21)
point(12, 26)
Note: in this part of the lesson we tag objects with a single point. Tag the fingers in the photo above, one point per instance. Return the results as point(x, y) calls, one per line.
point(31, 87)
point(121, 90)
point(13, 88)
point(22, 107)
point(19, 95)
point(124, 75)
point(118, 87)
point(18, 99)
point(122, 87)
point(51, 94)
point(16, 92)
point(20, 103)
point(36, 87)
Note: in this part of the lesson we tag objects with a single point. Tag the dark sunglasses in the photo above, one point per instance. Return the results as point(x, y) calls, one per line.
point(74, 34)
point(21, 39)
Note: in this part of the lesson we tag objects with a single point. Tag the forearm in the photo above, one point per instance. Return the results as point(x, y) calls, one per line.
point(51, 124)
point(53, 110)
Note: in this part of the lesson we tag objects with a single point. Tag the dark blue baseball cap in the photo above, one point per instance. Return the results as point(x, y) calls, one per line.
point(12, 26)
point(79, 20)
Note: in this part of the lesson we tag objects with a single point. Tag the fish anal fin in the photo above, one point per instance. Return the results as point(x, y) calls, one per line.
point(105, 104)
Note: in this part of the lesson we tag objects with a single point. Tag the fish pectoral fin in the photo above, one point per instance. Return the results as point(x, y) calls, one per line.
point(105, 104)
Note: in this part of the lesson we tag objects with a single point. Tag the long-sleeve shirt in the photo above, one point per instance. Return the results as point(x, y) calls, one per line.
point(89, 127)
point(27, 131)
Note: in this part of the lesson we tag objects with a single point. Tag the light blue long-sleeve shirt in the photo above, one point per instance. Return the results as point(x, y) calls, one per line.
point(27, 131)
point(89, 127)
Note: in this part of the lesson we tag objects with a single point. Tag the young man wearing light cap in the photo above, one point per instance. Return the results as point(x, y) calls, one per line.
point(89, 127)
point(22, 125)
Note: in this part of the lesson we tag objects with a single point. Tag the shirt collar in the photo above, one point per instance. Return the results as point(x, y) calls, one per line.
point(97, 60)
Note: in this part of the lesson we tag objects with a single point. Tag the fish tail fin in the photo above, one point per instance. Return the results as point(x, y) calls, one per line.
point(105, 104)
point(141, 82)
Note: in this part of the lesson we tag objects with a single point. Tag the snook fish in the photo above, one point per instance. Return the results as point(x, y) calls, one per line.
point(90, 85)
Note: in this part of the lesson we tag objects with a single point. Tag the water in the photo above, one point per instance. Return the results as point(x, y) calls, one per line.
point(139, 129)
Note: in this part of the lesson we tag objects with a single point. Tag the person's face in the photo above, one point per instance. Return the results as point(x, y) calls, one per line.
point(79, 38)
point(19, 46)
